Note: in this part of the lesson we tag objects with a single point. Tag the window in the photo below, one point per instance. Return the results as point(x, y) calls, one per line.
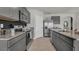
point(56, 19)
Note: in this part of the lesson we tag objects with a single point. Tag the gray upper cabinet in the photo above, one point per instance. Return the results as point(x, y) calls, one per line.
point(9, 12)
point(24, 14)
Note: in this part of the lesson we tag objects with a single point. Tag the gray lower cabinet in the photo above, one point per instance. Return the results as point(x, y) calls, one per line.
point(19, 46)
point(17, 43)
point(61, 43)
point(76, 45)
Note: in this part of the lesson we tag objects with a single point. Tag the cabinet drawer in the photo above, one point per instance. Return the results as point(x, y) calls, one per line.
point(63, 46)
point(19, 46)
point(68, 46)
point(67, 39)
point(14, 40)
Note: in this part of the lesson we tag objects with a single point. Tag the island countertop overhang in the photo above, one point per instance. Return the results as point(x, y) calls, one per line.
point(70, 34)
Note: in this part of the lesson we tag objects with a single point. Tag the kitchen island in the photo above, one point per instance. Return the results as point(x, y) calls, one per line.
point(13, 43)
point(65, 41)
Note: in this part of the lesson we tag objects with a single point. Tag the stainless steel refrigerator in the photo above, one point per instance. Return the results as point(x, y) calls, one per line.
point(47, 24)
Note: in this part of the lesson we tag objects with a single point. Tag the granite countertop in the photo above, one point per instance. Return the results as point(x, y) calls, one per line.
point(8, 36)
point(70, 34)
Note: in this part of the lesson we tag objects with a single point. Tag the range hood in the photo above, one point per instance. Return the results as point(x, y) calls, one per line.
point(8, 20)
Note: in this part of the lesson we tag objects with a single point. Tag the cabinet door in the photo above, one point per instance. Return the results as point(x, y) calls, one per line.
point(51, 37)
point(76, 45)
point(28, 16)
point(62, 45)
point(67, 39)
point(14, 40)
point(19, 46)
point(24, 14)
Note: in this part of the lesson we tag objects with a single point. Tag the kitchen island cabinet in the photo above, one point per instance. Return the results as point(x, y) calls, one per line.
point(64, 41)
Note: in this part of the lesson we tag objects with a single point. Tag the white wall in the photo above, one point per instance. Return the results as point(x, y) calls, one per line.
point(77, 21)
point(36, 22)
point(62, 16)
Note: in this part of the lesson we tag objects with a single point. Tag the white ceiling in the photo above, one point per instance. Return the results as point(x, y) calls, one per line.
point(48, 10)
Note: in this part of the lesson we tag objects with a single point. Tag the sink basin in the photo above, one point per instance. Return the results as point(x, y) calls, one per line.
point(63, 31)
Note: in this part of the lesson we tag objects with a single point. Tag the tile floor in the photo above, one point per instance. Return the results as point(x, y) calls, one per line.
point(41, 44)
